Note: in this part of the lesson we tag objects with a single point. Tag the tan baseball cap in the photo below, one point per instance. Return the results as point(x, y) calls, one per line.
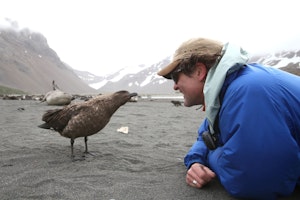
point(195, 46)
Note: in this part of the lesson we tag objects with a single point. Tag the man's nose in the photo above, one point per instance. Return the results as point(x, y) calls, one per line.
point(175, 87)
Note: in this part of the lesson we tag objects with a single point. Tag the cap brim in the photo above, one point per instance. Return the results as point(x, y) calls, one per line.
point(166, 71)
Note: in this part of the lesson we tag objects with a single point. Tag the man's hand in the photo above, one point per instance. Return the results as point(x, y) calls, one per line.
point(199, 175)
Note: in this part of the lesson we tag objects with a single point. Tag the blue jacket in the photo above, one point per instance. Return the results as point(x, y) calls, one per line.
point(259, 134)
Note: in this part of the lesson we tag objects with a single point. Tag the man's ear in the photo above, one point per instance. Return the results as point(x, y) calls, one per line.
point(201, 71)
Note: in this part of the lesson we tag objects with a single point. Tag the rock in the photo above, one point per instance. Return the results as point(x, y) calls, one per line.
point(57, 97)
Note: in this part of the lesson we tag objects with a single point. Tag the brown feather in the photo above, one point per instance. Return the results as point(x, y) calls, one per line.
point(86, 118)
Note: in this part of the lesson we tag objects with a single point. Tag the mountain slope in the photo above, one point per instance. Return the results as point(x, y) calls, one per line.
point(287, 60)
point(29, 64)
point(144, 80)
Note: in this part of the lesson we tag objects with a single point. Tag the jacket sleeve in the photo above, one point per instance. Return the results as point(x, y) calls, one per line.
point(198, 152)
point(260, 157)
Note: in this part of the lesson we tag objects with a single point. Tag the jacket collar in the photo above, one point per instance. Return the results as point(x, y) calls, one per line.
point(234, 57)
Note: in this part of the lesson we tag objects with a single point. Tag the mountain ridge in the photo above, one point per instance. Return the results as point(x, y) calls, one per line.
point(29, 64)
point(147, 81)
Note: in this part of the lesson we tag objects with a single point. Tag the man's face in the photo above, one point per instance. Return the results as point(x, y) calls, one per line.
point(191, 86)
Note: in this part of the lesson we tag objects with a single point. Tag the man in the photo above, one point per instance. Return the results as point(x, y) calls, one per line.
point(250, 138)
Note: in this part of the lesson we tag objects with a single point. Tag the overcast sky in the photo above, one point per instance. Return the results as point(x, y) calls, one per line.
point(101, 36)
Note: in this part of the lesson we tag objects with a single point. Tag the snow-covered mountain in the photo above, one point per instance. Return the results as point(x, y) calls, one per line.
point(279, 59)
point(144, 79)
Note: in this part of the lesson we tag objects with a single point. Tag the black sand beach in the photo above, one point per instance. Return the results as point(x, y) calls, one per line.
point(146, 163)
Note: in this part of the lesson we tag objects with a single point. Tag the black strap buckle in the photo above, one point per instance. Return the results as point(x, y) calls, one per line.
point(210, 140)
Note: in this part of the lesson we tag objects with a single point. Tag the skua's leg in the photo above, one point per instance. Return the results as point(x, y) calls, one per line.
point(86, 146)
point(72, 144)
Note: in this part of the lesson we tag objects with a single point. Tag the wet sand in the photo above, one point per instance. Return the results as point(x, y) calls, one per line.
point(146, 163)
